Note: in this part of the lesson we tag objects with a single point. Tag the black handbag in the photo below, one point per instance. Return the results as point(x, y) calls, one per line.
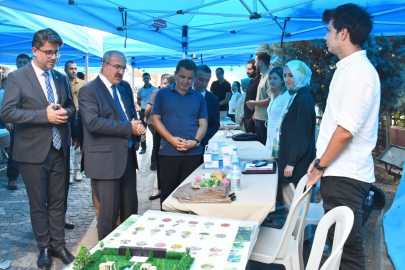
point(245, 137)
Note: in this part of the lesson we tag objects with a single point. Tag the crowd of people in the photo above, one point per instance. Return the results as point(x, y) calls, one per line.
point(70, 126)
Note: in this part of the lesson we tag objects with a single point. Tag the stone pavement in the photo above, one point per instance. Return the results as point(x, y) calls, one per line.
point(17, 241)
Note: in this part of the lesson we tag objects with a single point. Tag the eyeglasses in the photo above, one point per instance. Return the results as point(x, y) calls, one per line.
point(118, 67)
point(50, 53)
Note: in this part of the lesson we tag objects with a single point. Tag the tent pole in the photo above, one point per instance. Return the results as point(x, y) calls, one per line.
point(87, 67)
point(184, 55)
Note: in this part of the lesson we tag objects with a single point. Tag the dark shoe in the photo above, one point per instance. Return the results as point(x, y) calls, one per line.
point(69, 225)
point(153, 168)
point(151, 198)
point(44, 259)
point(143, 151)
point(12, 184)
point(64, 255)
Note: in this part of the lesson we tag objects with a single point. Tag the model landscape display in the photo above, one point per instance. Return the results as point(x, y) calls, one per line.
point(119, 259)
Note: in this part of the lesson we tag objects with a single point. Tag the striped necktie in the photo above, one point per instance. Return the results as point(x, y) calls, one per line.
point(57, 142)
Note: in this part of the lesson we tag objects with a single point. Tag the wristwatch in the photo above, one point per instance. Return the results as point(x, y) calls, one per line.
point(319, 167)
point(198, 142)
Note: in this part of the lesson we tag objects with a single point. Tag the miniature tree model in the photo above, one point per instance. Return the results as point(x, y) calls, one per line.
point(158, 263)
point(150, 258)
point(101, 244)
point(83, 259)
point(163, 265)
point(127, 255)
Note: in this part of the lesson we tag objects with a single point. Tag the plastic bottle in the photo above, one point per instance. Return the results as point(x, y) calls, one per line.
point(235, 177)
point(234, 156)
point(369, 199)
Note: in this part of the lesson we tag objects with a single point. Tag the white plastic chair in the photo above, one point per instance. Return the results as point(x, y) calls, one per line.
point(315, 210)
point(343, 217)
point(284, 246)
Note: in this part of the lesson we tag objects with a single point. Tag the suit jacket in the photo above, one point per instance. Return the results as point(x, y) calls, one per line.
point(105, 133)
point(24, 105)
point(212, 102)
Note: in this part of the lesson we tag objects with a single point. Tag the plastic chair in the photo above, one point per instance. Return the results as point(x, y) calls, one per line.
point(343, 217)
point(284, 246)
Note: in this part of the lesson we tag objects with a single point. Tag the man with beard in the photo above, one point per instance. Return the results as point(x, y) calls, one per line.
point(38, 102)
point(179, 114)
point(110, 131)
point(75, 154)
point(251, 93)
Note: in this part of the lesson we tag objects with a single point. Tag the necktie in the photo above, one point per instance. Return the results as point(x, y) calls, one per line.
point(51, 99)
point(118, 103)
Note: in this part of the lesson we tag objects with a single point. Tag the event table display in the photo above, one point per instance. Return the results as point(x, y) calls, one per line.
point(213, 243)
point(227, 123)
point(253, 203)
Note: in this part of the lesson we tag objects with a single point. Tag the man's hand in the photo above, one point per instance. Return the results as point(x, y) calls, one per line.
point(253, 117)
point(145, 120)
point(75, 143)
point(233, 110)
point(313, 174)
point(288, 171)
point(189, 144)
point(56, 116)
point(179, 143)
point(250, 104)
point(240, 121)
point(9, 127)
point(137, 127)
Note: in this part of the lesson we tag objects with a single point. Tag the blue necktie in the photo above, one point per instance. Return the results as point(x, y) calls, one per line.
point(51, 99)
point(118, 103)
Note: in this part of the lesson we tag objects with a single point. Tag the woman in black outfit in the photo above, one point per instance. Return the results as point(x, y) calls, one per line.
point(297, 136)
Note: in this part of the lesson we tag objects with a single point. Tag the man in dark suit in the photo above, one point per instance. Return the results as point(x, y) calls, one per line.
point(38, 102)
point(201, 80)
point(110, 132)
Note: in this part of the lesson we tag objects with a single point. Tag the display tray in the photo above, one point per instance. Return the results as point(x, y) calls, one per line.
point(270, 168)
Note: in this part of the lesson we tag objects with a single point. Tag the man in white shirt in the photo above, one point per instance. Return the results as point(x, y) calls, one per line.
point(349, 126)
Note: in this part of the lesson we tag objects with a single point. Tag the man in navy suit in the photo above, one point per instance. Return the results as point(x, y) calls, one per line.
point(110, 134)
point(201, 81)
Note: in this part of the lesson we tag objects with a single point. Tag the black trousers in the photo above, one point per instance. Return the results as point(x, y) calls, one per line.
point(143, 137)
point(343, 191)
point(249, 124)
point(12, 166)
point(156, 147)
point(67, 179)
point(176, 169)
point(46, 186)
point(116, 196)
point(261, 131)
point(153, 155)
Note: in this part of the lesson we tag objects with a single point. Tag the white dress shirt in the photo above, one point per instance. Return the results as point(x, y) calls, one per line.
point(41, 78)
point(353, 103)
point(109, 87)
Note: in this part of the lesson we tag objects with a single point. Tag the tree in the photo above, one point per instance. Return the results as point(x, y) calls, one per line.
point(385, 53)
point(83, 259)
point(127, 255)
point(150, 258)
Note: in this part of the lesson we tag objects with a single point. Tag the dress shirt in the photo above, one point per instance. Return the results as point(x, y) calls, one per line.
point(353, 103)
point(202, 93)
point(109, 87)
point(263, 92)
point(41, 78)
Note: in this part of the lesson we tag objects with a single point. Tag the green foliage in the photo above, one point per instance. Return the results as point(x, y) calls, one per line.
point(186, 262)
point(173, 255)
point(174, 267)
point(399, 119)
point(385, 53)
point(97, 255)
point(111, 251)
point(83, 259)
point(158, 263)
point(163, 265)
point(101, 243)
point(127, 255)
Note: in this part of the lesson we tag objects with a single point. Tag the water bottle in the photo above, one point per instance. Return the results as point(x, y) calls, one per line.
point(235, 176)
point(369, 199)
point(234, 156)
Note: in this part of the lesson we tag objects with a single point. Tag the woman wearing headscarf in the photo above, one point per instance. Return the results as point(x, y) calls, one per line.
point(297, 129)
point(279, 100)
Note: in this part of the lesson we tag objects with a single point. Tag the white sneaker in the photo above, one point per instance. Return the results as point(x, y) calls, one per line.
point(78, 176)
point(71, 178)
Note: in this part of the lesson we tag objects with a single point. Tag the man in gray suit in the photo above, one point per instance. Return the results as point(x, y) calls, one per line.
point(38, 102)
point(110, 133)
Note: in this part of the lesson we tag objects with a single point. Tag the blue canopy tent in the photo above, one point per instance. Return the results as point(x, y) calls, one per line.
point(196, 25)
point(18, 28)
